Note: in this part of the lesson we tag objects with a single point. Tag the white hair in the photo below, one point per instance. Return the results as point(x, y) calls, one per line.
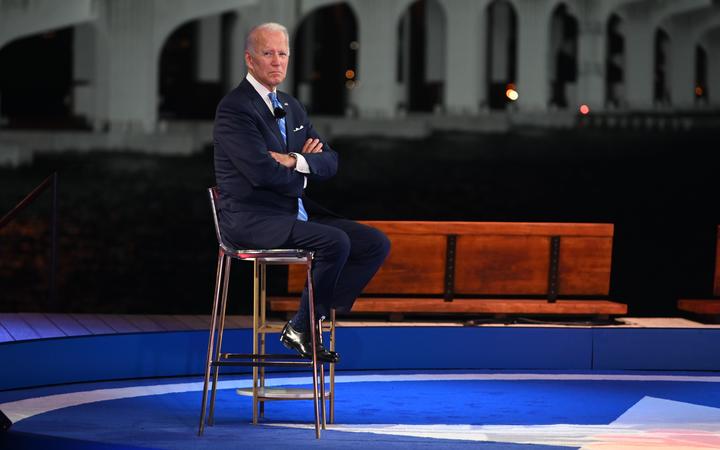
point(251, 38)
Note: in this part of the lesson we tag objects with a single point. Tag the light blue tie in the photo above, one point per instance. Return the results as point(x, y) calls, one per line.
point(302, 214)
point(281, 121)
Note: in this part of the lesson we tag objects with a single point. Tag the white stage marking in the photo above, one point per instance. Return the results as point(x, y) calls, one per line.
point(23, 409)
point(651, 423)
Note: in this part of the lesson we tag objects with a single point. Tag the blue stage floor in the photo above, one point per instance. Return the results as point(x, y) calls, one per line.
point(638, 386)
point(440, 409)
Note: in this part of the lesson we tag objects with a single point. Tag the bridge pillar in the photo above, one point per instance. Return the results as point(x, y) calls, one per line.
point(126, 67)
point(713, 76)
point(465, 76)
point(533, 82)
point(376, 94)
point(592, 50)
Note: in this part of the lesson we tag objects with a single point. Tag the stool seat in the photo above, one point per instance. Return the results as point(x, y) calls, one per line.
point(278, 256)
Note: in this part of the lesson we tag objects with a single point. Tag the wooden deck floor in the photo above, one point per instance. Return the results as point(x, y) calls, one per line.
point(26, 326)
point(30, 326)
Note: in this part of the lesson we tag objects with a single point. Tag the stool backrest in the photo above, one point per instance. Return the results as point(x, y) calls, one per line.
point(214, 200)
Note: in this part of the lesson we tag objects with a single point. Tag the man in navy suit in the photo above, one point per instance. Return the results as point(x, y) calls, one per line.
point(266, 153)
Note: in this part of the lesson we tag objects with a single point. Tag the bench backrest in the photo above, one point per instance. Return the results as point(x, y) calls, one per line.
point(491, 258)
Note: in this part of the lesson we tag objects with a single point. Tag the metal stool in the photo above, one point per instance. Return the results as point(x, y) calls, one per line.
point(258, 359)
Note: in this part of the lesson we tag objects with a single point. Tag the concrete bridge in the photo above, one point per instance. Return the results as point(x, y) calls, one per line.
point(620, 55)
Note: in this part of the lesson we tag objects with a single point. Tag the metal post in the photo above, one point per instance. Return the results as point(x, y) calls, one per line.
point(553, 269)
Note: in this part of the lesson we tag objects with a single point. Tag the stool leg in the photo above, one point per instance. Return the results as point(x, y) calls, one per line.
point(213, 322)
point(263, 323)
point(311, 304)
point(221, 328)
point(323, 420)
point(332, 367)
point(256, 330)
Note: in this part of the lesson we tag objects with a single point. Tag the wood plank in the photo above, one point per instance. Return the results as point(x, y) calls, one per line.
point(93, 323)
point(42, 325)
point(143, 323)
point(4, 335)
point(584, 266)
point(493, 228)
point(195, 322)
point(699, 306)
point(477, 306)
point(68, 324)
point(415, 265)
point(118, 323)
point(296, 278)
point(233, 322)
point(169, 322)
point(502, 265)
point(206, 319)
point(17, 327)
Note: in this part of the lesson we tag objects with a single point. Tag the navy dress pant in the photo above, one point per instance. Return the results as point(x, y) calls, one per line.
point(347, 255)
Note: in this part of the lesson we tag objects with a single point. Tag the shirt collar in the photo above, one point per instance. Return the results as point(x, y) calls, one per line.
point(262, 90)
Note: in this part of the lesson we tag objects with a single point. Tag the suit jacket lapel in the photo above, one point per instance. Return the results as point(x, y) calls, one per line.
point(270, 121)
point(289, 123)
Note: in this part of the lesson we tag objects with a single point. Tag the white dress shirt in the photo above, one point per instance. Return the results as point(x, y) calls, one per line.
point(301, 164)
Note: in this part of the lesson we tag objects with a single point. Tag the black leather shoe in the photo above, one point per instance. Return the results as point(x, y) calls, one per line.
point(302, 343)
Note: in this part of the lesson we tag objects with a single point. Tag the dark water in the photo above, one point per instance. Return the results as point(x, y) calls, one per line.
point(136, 234)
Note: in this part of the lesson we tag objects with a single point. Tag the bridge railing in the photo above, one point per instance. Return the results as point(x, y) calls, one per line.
point(51, 182)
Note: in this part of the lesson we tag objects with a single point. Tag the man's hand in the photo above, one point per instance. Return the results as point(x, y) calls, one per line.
point(312, 146)
point(284, 159)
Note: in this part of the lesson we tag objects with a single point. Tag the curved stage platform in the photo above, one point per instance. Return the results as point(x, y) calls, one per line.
point(648, 383)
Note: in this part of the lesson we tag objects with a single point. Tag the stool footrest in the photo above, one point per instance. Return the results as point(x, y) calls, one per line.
point(262, 363)
point(280, 393)
point(277, 327)
point(260, 356)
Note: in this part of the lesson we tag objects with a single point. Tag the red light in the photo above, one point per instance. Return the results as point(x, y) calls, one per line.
point(584, 110)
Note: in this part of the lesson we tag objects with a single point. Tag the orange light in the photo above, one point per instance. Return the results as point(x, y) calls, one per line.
point(698, 91)
point(584, 110)
point(349, 74)
point(512, 94)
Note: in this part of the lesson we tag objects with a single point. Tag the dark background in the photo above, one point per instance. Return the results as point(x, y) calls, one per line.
point(135, 230)
point(136, 234)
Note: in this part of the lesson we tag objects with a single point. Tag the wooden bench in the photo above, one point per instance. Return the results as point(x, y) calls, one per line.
point(706, 307)
point(494, 268)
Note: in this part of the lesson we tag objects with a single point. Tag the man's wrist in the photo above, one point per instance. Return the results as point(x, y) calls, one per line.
point(293, 155)
point(301, 164)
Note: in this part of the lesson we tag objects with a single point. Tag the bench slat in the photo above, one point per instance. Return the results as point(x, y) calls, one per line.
point(493, 228)
point(470, 305)
point(415, 265)
point(502, 265)
point(703, 306)
point(585, 264)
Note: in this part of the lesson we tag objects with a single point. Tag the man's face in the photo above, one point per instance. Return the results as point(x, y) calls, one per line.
point(268, 61)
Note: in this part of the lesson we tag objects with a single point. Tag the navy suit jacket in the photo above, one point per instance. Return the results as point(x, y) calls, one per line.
point(258, 196)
